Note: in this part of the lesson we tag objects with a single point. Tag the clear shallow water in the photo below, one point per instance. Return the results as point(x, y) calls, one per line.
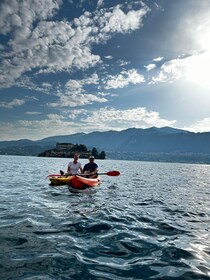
point(152, 222)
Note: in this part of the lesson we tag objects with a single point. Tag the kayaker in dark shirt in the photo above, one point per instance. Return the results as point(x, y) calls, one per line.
point(91, 168)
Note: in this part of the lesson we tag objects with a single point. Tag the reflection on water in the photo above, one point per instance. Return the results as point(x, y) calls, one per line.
point(152, 222)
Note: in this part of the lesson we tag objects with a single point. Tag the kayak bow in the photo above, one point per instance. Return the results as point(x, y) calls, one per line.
point(75, 181)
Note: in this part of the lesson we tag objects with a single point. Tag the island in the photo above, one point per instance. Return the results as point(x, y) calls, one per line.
point(67, 150)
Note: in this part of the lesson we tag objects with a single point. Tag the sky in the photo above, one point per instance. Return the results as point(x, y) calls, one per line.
point(96, 65)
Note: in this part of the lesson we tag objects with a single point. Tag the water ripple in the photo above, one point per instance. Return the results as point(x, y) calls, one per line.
point(152, 222)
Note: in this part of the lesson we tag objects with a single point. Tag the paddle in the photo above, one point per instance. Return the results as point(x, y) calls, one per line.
point(109, 173)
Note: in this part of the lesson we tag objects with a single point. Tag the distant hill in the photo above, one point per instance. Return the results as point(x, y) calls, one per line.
point(159, 144)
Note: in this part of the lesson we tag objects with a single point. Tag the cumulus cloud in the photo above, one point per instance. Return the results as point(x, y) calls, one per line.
point(7, 131)
point(159, 58)
point(38, 43)
point(109, 57)
point(200, 126)
point(149, 67)
point(14, 103)
point(169, 71)
point(74, 121)
point(100, 3)
point(194, 68)
point(32, 113)
point(75, 86)
point(37, 129)
point(74, 93)
point(93, 79)
point(55, 117)
point(75, 115)
point(76, 99)
point(124, 79)
point(26, 83)
point(111, 118)
point(122, 62)
point(118, 21)
point(18, 16)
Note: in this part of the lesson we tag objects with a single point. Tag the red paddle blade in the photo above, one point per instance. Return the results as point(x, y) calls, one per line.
point(113, 173)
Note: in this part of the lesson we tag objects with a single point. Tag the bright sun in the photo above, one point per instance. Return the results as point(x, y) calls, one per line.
point(198, 69)
point(198, 65)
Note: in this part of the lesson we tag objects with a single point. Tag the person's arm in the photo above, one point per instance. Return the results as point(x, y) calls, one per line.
point(84, 169)
point(95, 171)
point(80, 169)
point(69, 169)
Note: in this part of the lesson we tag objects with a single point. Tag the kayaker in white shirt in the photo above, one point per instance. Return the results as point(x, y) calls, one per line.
point(74, 166)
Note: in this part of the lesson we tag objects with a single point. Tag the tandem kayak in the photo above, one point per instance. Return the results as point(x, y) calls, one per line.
point(75, 181)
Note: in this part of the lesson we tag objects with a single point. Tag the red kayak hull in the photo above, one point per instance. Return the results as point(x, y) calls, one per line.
point(75, 181)
point(79, 182)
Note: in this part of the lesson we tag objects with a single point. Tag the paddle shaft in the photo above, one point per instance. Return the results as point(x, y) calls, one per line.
point(109, 173)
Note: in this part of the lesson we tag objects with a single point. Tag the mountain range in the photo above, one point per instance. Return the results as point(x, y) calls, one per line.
point(154, 144)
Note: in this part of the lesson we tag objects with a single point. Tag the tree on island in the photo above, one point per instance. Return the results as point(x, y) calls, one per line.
point(79, 148)
point(95, 153)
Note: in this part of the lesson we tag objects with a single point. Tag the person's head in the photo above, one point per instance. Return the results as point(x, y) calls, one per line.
point(76, 157)
point(91, 159)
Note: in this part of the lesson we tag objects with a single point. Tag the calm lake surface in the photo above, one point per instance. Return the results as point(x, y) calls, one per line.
point(151, 222)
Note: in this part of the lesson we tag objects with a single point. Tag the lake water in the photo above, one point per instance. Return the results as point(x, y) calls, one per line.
point(151, 222)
